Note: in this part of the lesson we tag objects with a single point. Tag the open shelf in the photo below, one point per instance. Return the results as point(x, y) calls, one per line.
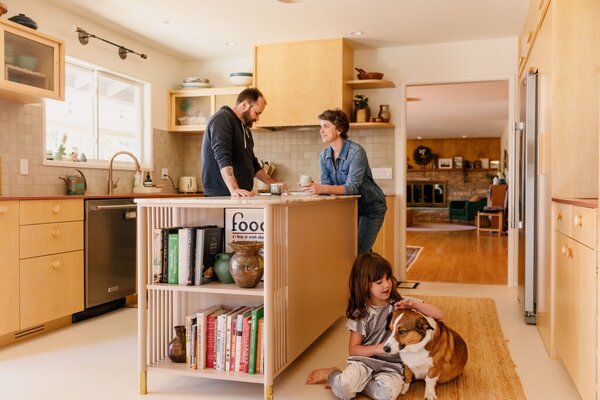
point(372, 125)
point(451, 169)
point(211, 373)
point(212, 288)
point(370, 84)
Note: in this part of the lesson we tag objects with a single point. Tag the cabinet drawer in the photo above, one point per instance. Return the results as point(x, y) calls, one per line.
point(583, 225)
point(562, 218)
point(50, 287)
point(43, 239)
point(45, 211)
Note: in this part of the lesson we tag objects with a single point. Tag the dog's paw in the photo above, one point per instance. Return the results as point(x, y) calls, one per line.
point(430, 395)
point(405, 387)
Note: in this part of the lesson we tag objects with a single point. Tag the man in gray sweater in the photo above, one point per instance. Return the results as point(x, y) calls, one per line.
point(229, 165)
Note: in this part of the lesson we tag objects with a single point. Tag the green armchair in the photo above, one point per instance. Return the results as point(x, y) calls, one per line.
point(465, 210)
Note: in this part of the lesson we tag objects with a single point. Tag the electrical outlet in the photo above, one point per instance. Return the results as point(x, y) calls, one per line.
point(24, 166)
point(164, 173)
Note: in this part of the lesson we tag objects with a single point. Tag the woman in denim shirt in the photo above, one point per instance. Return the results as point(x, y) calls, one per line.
point(344, 171)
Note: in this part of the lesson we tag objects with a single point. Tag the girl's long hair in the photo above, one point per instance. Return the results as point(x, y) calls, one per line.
point(367, 268)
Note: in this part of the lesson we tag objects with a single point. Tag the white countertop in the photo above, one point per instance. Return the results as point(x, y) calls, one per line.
point(259, 200)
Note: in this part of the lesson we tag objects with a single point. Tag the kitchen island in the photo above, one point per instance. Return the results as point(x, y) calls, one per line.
point(309, 247)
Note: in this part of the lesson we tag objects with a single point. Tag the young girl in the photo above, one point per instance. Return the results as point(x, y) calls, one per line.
point(373, 297)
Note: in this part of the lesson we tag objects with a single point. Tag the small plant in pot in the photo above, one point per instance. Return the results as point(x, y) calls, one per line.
point(361, 108)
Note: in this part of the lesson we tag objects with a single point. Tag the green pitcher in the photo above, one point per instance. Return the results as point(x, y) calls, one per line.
point(222, 267)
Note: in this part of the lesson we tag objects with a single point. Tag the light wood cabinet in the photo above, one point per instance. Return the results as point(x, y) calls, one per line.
point(9, 267)
point(302, 79)
point(576, 296)
point(190, 109)
point(33, 64)
point(384, 243)
point(41, 268)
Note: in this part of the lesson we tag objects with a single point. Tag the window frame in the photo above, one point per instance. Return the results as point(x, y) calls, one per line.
point(146, 158)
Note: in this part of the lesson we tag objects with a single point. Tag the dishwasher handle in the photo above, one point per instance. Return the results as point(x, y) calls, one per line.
point(114, 207)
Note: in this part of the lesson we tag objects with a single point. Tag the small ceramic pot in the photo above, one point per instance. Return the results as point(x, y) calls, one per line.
point(176, 348)
point(222, 267)
point(246, 265)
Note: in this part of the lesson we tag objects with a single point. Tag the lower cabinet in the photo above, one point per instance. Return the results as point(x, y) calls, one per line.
point(576, 296)
point(41, 268)
point(384, 243)
point(9, 267)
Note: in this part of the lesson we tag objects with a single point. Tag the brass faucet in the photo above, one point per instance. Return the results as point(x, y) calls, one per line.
point(111, 185)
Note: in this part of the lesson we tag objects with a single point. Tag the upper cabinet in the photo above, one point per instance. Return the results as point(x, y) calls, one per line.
point(302, 79)
point(34, 64)
point(190, 109)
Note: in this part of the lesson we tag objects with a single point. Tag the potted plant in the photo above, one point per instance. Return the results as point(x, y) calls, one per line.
point(185, 105)
point(60, 152)
point(361, 108)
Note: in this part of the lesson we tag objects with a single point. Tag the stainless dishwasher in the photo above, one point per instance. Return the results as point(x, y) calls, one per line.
point(110, 250)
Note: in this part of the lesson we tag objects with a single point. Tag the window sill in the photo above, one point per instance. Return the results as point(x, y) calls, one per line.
point(117, 165)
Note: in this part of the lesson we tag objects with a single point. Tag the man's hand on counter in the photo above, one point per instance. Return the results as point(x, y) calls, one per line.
point(237, 192)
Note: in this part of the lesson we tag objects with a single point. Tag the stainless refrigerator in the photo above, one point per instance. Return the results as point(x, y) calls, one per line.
point(525, 213)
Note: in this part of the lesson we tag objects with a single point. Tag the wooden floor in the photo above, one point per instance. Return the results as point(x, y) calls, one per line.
point(460, 257)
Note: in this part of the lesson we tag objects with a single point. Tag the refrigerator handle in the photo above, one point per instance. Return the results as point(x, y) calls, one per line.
point(514, 175)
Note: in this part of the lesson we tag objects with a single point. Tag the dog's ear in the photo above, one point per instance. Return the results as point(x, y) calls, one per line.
point(423, 325)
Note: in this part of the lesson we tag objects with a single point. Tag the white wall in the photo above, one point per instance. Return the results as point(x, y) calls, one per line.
point(218, 70)
point(162, 71)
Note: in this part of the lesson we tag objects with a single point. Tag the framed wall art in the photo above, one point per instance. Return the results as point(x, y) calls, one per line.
point(444, 163)
point(458, 162)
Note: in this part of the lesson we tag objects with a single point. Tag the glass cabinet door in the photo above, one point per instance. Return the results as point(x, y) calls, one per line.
point(31, 61)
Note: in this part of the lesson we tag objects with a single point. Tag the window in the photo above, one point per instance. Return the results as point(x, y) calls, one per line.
point(103, 113)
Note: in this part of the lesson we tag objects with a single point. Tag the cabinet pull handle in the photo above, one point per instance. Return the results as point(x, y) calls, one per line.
point(529, 36)
point(563, 250)
point(570, 252)
point(3, 209)
point(578, 220)
point(56, 208)
point(559, 216)
point(55, 232)
point(56, 264)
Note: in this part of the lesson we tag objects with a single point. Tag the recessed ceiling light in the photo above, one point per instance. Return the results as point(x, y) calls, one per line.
point(229, 43)
point(357, 33)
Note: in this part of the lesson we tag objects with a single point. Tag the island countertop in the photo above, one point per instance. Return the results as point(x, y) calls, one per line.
point(226, 201)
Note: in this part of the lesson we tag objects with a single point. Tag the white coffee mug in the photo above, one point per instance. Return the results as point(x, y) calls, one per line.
point(276, 188)
point(304, 180)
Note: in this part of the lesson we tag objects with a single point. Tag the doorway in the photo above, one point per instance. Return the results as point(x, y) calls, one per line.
point(457, 134)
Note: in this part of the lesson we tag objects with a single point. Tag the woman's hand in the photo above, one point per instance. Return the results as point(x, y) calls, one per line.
point(312, 188)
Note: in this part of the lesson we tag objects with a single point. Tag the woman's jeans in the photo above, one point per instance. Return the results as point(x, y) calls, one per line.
point(368, 228)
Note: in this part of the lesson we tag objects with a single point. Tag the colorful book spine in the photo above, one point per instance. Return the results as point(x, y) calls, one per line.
point(260, 347)
point(157, 258)
point(183, 236)
point(245, 342)
point(257, 313)
point(173, 249)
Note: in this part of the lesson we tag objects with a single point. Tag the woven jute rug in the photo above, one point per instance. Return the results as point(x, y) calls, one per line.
point(490, 373)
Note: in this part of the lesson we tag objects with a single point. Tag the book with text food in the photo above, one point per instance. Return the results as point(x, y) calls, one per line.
point(212, 244)
point(257, 313)
point(202, 318)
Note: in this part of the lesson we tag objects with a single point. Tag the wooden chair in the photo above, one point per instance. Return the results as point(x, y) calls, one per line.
point(495, 211)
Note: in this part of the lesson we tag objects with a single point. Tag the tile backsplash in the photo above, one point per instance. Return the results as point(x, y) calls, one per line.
point(294, 152)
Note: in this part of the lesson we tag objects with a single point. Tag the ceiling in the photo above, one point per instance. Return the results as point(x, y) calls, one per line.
point(194, 30)
point(455, 110)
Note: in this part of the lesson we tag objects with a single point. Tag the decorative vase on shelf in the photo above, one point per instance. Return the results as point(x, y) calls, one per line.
point(176, 348)
point(222, 267)
point(246, 265)
point(384, 113)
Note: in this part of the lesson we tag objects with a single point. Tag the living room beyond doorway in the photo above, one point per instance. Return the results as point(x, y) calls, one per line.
point(457, 137)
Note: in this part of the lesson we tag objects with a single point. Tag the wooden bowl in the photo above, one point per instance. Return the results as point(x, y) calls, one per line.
point(368, 75)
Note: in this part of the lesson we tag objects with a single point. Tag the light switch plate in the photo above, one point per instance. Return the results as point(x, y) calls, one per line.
point(24, 166)
point(382, 173)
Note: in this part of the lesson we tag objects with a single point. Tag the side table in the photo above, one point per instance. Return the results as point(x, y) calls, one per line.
point(491, 217)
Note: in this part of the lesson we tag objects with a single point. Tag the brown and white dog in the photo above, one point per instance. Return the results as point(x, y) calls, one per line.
point(428, 348)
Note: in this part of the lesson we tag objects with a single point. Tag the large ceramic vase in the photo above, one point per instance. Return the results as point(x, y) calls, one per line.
point(176, 349)
point(246, 265)
point(222, 267)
